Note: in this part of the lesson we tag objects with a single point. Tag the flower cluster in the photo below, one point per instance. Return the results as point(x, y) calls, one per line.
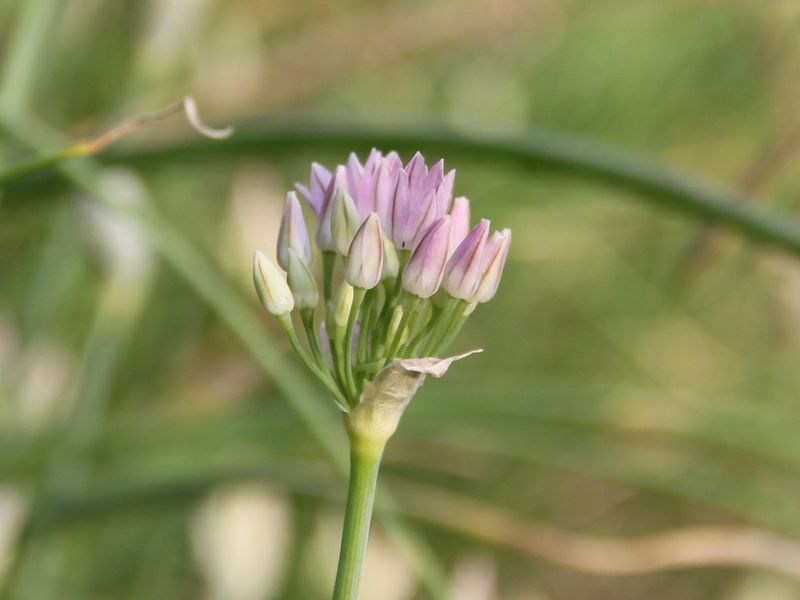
point(412, 270)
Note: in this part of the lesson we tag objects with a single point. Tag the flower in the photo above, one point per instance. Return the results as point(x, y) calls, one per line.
point(425, 269)
point(364, 264)
point(344, 222)
point(492, 263)
point(324, 227)
point(293, 234)
point(273, 291)
point(463, 272)
point(391, 236)
point(391, 262)
point(315, 193)
point(366, 186)
point(459, 227)
point(301, 282)
point(422, 196)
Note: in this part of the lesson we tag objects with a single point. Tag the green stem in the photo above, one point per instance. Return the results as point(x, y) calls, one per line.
point(212, 288)
point(365, 460)
point(394, 345)
point(307, 315)
point(286, 322)
point(414, 325)
point(442, 325)
point(366, 325)
point(358, 299)
point(460, 316)
point(328, 263)
point(43, 162)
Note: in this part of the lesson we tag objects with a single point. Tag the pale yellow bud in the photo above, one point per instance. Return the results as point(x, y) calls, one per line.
point(273, 291)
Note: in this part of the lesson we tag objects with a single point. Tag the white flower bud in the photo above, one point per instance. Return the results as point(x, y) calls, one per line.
point(273, 291)
point(344, 302)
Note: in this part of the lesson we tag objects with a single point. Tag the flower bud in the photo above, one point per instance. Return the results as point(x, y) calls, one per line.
point(463, 271)
point(293, 234)
point(364, 264)
point(391, 262)
point(385, 187)
point(354, 173)
point(394, 325)
point(324, 227)
point(493, 261)
point(318, 185)
point(444, 193)
point(273, 291)
point(344, 302)
point(365, 192)
point(423, 273)
point(301, 282)
point(421, 197)
point(459, 222)
point(344, 222)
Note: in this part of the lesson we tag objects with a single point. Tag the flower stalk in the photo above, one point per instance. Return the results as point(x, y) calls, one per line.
point(411, 273)
point(365, 460)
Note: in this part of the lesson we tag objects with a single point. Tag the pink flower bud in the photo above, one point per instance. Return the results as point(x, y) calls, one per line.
point(365, 193)
point(417, 171)
point(493, 261)
point(423, 273)
point(421, 198)
point(433, 179)
point(354, 172)
point(444, 192)
point(293, 233)
point(324, 230)
point(385, 187)
point(459, 227)
point(315, 193)
point(364, 262)
point(463, 271)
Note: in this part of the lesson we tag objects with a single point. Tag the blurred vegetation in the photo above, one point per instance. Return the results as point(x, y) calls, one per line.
point(640, 373)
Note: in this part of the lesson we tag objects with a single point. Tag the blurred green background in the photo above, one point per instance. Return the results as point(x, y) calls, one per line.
point(631, 430)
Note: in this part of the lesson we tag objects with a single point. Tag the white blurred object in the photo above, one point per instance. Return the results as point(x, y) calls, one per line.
point(474, 578)
point(44, 371)
point(386, 575)
point(241, 539)
point(172, 35)
point(125, 250)
point(12, 511)
point(256, 209)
